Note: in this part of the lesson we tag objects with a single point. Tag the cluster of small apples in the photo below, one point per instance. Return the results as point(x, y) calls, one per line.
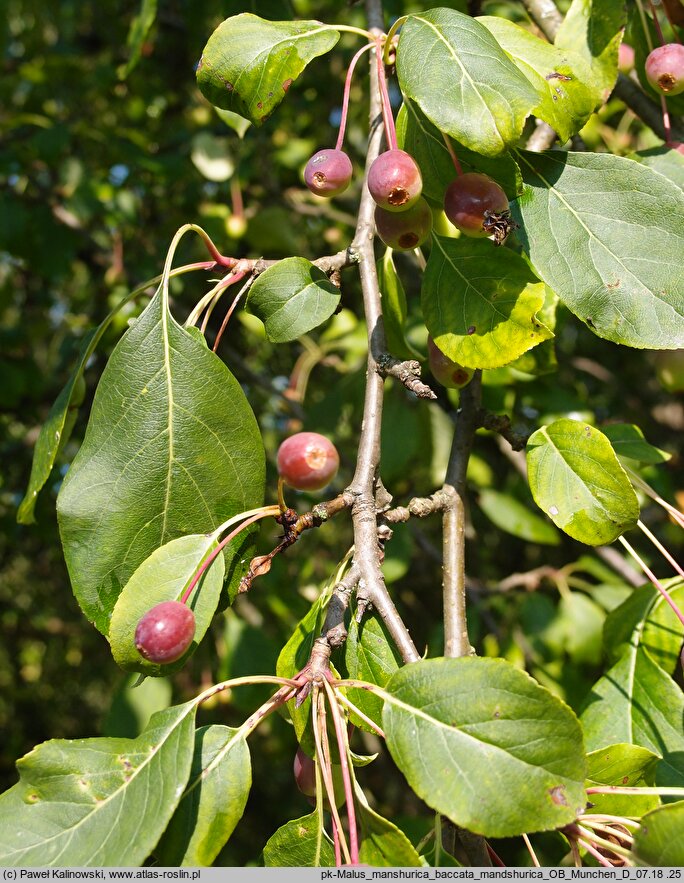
point(306, 461)
point(402, 217)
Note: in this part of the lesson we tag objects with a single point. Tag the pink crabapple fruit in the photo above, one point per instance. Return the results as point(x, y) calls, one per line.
point(478, 207)
point(404, 231)
point(394, 180)
point(165, 632)
point(328, 172)
point(448, 373)
point(307, 461)
point(665, 69)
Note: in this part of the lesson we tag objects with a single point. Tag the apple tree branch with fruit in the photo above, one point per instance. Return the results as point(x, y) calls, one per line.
point(161, 510)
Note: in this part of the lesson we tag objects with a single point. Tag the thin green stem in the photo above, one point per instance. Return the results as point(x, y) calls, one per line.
point(231, 309)
point(530, 849)
point(626, 789)
point(390, 36)
point(323, 755)
point(343, 750)
point(644, 25)
point(659, 546)
point(595, 838)
point(452, 153)
point(348, 704)
point(350, 29)
point(649, 573)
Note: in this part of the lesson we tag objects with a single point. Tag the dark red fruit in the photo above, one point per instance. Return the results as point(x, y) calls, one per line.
point(308, 461)
point(304, 770)
point(448, 373)
point(394, 181)
point(404, 230)
point(165, 632)
point(478, 207)
point(665, 69)
point(328, 172)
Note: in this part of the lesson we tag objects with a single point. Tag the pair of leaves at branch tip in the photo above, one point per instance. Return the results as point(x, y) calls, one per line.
point(97, 802)
point(638, 703)
point(458, 728)
point(292, 298)
point(480, 303)
point(577, 480)
point(213, 802)
point(424, 141)
point(249, 63)
point(172, 448)
point(625, 765)
point(163, 577)
point(463, 81)
point(584, 219)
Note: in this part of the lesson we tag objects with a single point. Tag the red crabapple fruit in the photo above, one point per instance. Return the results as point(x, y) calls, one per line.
point(165, 632)
point(665, 68)
point(448, 373)
point(404, 230)
point(328, 172)
point(307, 461)
point(394, 180)
point(478, 207)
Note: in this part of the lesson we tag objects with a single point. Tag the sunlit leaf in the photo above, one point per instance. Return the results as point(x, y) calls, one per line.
point(301, 843)
point(659, 842)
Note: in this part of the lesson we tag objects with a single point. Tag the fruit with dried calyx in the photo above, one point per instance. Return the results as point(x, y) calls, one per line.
point(447, 372)
point(478, 207)
point(328, 172)
point(404, 230)
point(307, 461)
point(165, 632)
point(665, 69)
point(394, 181)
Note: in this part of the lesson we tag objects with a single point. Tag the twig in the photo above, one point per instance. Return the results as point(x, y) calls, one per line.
point(545, 14)
point(542, 138)
point(372, 587)
point(406, 372)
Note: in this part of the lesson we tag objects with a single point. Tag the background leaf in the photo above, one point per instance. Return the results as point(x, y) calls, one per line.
point(480, 302)
point(515, 518)
point(462, 80)
point(163, 577)
point(291, 298)
point(249, 63)
point(458, 728)
point(394, 308)
point(594, 29)
point(140, 28)
point(97, 802)
point(585, 218)
point(172, 448)
point(562, 79)
point(300, 843)
point(576, 478)
point(628, 441)
point(658, 842)
point(213, 802)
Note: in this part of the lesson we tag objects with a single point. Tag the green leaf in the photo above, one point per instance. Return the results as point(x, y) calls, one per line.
point(563, 80)
point(249, 63)
point(458, 728)
point(140, 28)
point(462, 80)
point(172, 448)
point(163, 577)
point(214, 799)
point(638, 703)
point(593, 28)
point(291, 298)
point(62, 415)
point(419, 137)
point(625, 765)
point(382, 844)
point(301, 843)
point(585, 218)
point(658, 842)
point(646, 618)
point(628, 441)
point(370, 655)
point(234, 121)
point(665, 161)
point(394, 308)
point(97, 802)
point(542, 359)
point(576, 478)
point(515, 518)
point(480, 302)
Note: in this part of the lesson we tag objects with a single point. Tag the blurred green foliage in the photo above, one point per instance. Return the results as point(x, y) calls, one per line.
point(96, 174)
